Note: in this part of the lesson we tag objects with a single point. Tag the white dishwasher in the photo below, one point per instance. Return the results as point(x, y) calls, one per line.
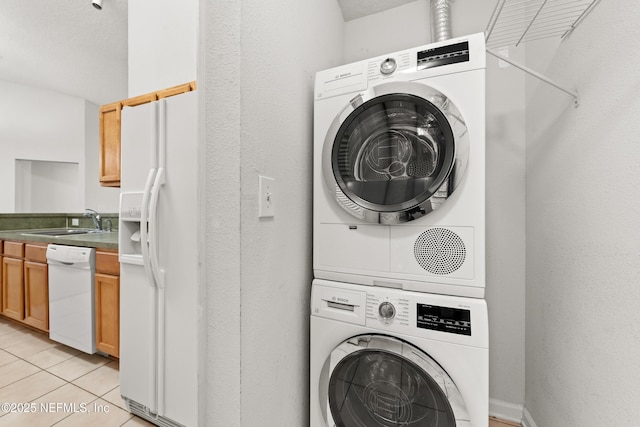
point(71, 296)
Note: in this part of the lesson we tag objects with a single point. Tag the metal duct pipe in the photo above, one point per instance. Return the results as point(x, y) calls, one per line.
point(441, 20)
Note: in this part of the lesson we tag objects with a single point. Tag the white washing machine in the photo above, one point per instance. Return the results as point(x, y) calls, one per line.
point(385, 357)
point(399, 170)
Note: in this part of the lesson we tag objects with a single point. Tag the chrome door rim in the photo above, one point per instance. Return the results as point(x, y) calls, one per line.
point(399, 348)
point(412, 209)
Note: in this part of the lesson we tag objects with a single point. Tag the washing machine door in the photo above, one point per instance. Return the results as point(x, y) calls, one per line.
point(395, 153)
point(381, 381)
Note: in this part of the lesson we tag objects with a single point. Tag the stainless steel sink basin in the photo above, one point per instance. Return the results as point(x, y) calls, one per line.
point(60, 232)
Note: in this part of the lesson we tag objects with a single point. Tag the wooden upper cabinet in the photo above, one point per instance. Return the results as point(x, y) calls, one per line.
point(176, 90)
point(110, 130)
point(110, 144)
point(142, 99)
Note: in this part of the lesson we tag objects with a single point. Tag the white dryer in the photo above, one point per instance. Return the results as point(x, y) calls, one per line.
point(384, 357)
point(399, 170)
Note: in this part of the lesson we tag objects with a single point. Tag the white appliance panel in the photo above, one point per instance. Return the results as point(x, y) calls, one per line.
point(178, 258)
point(353, 238)
point(463, 84)
point(71, 296)
point(433, 251)
point(464, 357)
point(138, 148)
point(137, 306)
point(159, 318)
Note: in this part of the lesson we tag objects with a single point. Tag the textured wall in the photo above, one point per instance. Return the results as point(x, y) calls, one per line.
point(583, 243)
point(163, 44)
point(220, 57)
point(260, 60)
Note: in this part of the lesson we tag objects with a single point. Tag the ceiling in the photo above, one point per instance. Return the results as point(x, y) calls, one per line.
point(67, 46)
point(71, 47)
point(354, 9)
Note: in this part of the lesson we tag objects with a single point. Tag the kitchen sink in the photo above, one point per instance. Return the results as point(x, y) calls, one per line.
point(60, 232)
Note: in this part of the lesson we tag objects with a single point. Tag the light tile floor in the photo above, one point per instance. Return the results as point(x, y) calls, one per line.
point(45, 383)
point(49, 384)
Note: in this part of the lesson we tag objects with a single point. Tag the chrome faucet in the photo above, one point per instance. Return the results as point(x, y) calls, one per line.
point(95, 216)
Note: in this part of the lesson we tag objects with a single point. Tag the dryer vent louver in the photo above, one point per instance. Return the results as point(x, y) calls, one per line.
point(439, 251)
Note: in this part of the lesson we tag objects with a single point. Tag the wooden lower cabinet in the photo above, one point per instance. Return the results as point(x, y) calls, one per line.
point(13, 288)
point(107, 296)
point(25, 284)
point(36, 295)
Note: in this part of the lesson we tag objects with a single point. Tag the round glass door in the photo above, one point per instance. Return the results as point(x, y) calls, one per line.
point(380, 381)
point(393, 151)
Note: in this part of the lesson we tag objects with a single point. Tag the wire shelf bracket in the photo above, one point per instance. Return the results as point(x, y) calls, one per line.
point(514, 22)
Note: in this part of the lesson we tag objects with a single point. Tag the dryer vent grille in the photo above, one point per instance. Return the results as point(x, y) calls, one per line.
point(439, 251)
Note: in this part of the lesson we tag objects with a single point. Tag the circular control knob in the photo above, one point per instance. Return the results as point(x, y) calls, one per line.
point(387, 311)
point(388, 66)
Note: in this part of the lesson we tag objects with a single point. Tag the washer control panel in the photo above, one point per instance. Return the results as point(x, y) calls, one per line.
point(444, 319)
point(387, 309)
point(388, 66)
point(401, 313)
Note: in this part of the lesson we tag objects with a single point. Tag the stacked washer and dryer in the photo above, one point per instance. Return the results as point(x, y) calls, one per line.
point(399, 328)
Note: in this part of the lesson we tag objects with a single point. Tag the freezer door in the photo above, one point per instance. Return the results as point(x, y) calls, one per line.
point(138, 150)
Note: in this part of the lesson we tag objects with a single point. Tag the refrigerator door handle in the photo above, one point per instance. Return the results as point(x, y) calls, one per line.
point(144, 221)
point(158, 275)
point(146, 262)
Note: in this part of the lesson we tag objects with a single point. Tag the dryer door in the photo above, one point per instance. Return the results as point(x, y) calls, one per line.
point(395, 152)
point(380, 381)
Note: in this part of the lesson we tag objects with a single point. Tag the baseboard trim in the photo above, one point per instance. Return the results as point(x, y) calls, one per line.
point(506, 411)
point(527, 419)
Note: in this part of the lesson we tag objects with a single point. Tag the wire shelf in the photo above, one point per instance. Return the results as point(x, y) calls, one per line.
point(517, 21)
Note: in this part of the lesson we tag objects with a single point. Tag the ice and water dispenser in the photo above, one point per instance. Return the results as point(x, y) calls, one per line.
point(130, 246)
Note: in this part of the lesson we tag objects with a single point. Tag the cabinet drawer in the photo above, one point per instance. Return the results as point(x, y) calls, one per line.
point(36, 253)
point(107, 263)
point(14, 249)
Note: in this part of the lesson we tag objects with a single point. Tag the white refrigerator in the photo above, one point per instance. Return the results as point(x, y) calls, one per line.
point(159, 304)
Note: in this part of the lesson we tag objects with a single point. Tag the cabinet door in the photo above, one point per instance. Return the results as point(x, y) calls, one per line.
point(110, 144)
point(36, 295)
point(12, 288)
point(108, 314)
point(1, 276)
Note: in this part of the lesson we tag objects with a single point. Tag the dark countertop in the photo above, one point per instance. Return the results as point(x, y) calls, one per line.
point(106, 240)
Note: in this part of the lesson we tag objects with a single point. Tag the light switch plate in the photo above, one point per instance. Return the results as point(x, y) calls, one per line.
point(266, 194)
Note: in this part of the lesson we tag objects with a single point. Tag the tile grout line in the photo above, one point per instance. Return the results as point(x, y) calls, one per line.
point(65, 381)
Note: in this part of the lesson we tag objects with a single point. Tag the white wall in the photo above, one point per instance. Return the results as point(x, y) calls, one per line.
point(583, 211)
point(163, 44)
point(39, 124)
point(260, 62)
point(408, 26)
point(389, 31)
